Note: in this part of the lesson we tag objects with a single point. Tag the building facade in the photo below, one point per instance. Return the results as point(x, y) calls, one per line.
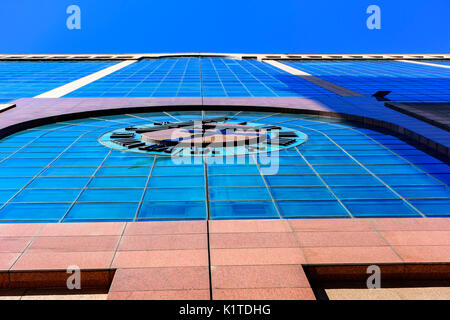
point(323, 145)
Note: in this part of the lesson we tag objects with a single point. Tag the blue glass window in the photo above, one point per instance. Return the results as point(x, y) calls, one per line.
point(379, 208)
point(236, 181)
point(340, 169)
point(103, 211)
point(433, 207)
point(178, 171)
point(424, 191)
point(393, 169)
point(351, 180)
point(19, 172)
point(77, 162)
point(106, 195)
point(244, 209)
point(301, 193)
point(34, 211)
point(37, 195)
point(58, 183)
point(177, 181)
point(294, 170)
point(68, 172)
point(123, 171)
point(118, 182)
point(329, 160)
point(128, 162)
point(5, 195)
point(311, 209)
point(175, 194)
point(18, 162)
point(298, 180)
point(172, 210)
point(233, 170)
point(13, 183)
point(364, 193)
point(229, 194)
point(409, 180)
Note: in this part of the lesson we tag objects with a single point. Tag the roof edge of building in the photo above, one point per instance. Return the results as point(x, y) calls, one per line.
point(257, 56)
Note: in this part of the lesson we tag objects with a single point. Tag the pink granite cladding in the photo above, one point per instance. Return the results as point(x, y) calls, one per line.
point(367, 109)
point(248, 259)
point(30, 109)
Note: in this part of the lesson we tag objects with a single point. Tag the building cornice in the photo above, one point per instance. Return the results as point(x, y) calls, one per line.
point(69, 57)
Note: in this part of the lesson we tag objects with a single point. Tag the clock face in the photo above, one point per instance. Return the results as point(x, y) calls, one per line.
point(221, 136)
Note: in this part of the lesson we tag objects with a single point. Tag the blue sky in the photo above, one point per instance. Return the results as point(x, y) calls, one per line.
point(282, 26)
